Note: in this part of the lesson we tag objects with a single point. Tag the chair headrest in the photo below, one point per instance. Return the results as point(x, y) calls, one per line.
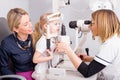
point(4, 29)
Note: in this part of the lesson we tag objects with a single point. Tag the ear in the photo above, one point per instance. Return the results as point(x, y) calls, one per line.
point(15, 29)
point(45, 26)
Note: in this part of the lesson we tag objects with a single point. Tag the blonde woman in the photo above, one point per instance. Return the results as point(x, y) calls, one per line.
point(106, 26)
point(18, 45)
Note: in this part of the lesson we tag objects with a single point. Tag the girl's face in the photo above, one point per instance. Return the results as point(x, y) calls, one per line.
point(55, 27)
point(93, 28)
point(25, 26)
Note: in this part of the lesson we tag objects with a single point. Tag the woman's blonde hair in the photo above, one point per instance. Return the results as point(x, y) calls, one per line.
point(107, 23)
point(14, 17)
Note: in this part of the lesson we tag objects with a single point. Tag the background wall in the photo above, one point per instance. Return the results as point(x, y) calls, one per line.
point(6, 5)
point(77, 10)
point(38, 7)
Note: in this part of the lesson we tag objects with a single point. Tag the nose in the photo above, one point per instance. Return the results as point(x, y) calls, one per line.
point(58, 26)
point(30, 24)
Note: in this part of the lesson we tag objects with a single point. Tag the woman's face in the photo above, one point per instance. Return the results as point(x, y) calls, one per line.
point(55, 27)
point(25, 26)
point(93, 28)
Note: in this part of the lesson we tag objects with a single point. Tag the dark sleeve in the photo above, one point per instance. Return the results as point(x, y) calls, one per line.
point(91, 69)
point(4, 62)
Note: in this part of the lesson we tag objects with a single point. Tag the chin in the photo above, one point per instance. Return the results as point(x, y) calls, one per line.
point(30, 32)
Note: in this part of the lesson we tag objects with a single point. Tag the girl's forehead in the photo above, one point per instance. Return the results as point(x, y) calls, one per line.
point(55, 21)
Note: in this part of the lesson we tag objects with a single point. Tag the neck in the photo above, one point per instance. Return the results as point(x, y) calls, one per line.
point(22, 37)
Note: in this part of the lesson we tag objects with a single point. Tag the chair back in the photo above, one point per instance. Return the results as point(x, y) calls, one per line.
point(4, 29)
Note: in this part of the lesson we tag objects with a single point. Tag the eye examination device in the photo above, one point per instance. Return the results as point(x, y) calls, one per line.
point(63, 37)
point(53, 66)
point(80, 26)
point(52, 17)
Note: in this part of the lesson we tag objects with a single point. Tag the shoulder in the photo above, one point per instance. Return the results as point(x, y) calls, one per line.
point(111, 42)
point(7, 40)
point(41, 40)
point(108, 51)
point(9, 37)
point(41, 44)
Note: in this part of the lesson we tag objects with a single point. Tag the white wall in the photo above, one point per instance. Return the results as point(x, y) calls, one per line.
point(78, 9)
point(6, 5)
point(38, 7)
point(117, 8)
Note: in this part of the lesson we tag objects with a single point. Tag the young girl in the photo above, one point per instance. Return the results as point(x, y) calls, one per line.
point(42, 56)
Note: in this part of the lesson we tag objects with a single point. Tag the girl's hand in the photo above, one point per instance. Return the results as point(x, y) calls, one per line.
point(50, 52)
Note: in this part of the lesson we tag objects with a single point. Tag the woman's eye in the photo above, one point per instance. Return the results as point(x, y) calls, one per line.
point(25, 24)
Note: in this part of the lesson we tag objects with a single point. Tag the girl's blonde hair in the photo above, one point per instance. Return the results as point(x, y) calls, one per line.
point(14, 17)
point(107, 23)
point(39, 28)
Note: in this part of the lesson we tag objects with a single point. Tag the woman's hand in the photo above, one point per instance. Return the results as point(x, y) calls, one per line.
point(82, 56)
point(85, 57)
point(62, 47)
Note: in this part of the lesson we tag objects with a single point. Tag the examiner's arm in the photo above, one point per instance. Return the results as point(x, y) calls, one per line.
point(91, 69)
point(84, 69)
point(64, 47)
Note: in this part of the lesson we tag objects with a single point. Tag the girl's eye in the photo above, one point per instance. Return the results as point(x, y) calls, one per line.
point(57, 24)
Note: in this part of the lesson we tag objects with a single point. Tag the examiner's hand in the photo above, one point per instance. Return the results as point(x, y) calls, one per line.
point(85, 57)
point(62, 47)
point(82, 56)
